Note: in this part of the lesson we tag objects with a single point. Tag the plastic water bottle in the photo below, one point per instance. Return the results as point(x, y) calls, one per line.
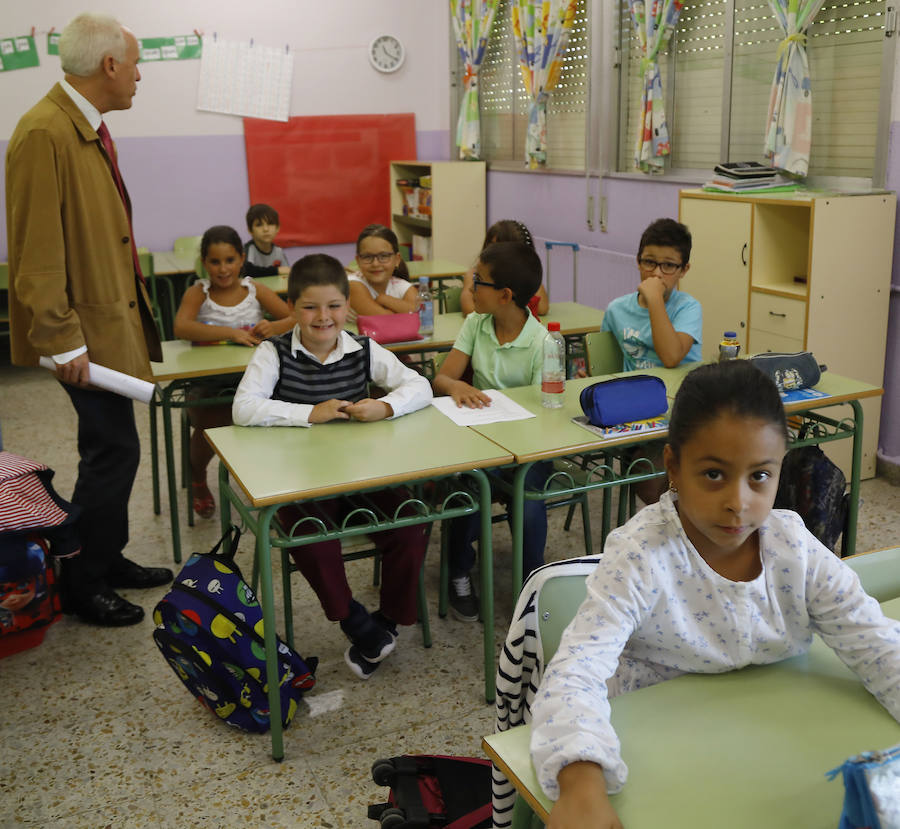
point(729, 347)
point(553, 374)
point(425, 307)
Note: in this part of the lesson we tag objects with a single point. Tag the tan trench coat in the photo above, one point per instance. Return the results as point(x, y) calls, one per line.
point(71, 275)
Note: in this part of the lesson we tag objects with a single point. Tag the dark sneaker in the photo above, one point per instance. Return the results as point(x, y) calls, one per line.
point(385, 623)
point(361, 666)
point(463, 601)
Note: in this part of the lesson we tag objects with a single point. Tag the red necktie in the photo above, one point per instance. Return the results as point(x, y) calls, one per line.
point(107, 142)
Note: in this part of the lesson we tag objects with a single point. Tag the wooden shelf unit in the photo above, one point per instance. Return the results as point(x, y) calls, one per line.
point(801, 271)
point(458, 207)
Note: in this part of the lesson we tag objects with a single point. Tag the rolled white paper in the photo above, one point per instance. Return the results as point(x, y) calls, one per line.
point(114, 381)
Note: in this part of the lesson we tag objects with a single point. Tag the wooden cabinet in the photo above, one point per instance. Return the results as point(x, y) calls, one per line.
point(456, 226)
point(795, 272)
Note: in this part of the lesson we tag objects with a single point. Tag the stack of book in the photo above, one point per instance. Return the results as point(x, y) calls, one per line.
point(741, 176)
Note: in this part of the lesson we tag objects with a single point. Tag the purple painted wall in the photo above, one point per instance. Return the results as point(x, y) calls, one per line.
point(181, 185)
point(889, 436)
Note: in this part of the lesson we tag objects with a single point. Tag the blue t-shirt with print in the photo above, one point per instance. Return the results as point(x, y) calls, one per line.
point(630, 324)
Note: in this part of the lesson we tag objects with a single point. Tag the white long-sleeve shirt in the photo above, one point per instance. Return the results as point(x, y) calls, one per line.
point(655, 609)
point(253, 405)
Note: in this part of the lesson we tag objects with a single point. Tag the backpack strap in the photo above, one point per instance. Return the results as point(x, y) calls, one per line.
point(232, 536)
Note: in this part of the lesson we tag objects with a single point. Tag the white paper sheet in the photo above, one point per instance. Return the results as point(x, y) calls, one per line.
point(115, 381)
point(500, 410)
point(245, 79)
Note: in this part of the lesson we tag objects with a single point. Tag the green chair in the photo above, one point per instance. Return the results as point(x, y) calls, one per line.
point(162, 295)
point(879, 572)
point(603, 353)
point(449, 299)
point(558, 591)
point(187, 245)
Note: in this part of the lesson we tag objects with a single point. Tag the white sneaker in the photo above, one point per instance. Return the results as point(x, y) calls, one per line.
point(463, 601)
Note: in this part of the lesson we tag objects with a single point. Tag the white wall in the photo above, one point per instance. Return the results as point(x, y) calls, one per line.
point(329, 39)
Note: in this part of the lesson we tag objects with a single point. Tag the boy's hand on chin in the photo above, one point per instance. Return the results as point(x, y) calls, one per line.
point(329, 410)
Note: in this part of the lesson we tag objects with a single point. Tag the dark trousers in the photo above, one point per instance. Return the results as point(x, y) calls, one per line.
point(464, 530)
point(322, 564)
point(110, 451)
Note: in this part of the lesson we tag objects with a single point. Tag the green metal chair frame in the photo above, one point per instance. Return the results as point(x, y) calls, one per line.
point(161, 291)
point(879, 572)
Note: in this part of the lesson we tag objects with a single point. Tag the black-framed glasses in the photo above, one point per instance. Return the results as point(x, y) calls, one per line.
point(476, 282)
point(368, 258)
point(668, 268)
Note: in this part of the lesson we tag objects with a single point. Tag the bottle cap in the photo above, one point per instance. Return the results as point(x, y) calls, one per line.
point(730, 334)
point(423, 280)
point(553, 326)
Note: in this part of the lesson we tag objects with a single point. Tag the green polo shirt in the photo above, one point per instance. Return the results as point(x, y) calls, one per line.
point(495, 366)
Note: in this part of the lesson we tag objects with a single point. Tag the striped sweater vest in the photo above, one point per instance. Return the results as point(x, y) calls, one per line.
point(302, 379)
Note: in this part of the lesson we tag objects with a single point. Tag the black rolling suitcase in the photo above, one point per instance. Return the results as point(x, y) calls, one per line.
point(430, 790)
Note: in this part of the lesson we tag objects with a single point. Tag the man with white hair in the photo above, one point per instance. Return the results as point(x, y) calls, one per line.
point(77, 295)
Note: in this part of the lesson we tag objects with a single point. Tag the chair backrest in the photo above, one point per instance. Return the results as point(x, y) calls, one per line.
point(603, 353)
point(199, 270)
point(146, 261)
point(558, 601)
point(451, 299)
point(187, 244)
point(879, 572)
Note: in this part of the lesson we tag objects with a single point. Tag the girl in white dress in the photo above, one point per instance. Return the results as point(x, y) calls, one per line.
point(224, 307)
point(707, 580)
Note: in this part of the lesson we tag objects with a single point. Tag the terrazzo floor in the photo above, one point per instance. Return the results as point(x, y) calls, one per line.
point(97, 731)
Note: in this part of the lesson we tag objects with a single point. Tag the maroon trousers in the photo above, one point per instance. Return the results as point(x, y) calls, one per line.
point(322, 565)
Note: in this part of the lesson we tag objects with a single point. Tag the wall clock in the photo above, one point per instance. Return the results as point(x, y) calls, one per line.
point(386, 53)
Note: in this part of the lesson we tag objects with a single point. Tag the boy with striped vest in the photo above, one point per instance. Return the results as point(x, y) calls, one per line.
point(316, 373)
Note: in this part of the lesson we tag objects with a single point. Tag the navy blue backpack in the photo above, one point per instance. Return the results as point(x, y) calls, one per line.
point(209, 628)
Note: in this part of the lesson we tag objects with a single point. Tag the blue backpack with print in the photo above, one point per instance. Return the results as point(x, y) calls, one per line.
point(209, 628)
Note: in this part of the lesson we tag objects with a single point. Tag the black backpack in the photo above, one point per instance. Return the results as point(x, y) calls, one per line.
point(814, 487)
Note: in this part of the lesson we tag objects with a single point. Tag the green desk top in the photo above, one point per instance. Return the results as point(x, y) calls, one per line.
point(278, 464)
point(744, 749)
point(168, 262)
point(182, 360)
point(551, 434)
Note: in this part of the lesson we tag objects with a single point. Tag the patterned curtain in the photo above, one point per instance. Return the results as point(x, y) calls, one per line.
point(472, 21)
point(654, 30)
point(789, 122)
point(541, 31)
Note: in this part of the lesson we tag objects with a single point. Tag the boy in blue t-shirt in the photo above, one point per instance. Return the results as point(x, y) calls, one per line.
point(658, 325)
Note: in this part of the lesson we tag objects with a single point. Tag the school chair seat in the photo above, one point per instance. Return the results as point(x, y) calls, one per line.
point(879, 572)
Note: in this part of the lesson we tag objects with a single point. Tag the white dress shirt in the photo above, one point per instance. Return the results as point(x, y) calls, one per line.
point(253, 405)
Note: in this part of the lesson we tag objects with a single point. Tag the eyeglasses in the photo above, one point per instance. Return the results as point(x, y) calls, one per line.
point(668, 268)
point(368, 258)
point(476, 282)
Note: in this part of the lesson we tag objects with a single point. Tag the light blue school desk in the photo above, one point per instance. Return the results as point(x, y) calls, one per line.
point(264, 468)
point(743, 750)
point(552, 435)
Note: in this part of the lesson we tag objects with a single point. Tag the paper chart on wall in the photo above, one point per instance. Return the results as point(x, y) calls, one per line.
point(245, 79)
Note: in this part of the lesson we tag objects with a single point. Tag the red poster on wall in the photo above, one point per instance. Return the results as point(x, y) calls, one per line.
point(327, 176)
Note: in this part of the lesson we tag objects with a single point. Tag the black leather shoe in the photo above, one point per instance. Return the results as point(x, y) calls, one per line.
point(107, 608)
point(131, 574)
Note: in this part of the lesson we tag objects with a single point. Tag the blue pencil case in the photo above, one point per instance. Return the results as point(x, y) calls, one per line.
point(624, 400)
point(871, 790)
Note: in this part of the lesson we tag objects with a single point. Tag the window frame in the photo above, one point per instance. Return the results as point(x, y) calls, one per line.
point(675, 174)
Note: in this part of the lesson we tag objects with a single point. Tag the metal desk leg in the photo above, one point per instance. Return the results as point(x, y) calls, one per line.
point(487, 583)
point(517, 518)
point(849, 547)
point(154, 453)
point(166, 396)
point(267, 600)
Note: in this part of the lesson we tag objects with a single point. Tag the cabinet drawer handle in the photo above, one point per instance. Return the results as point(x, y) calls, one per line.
point(744, 254)
point(773, 314)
